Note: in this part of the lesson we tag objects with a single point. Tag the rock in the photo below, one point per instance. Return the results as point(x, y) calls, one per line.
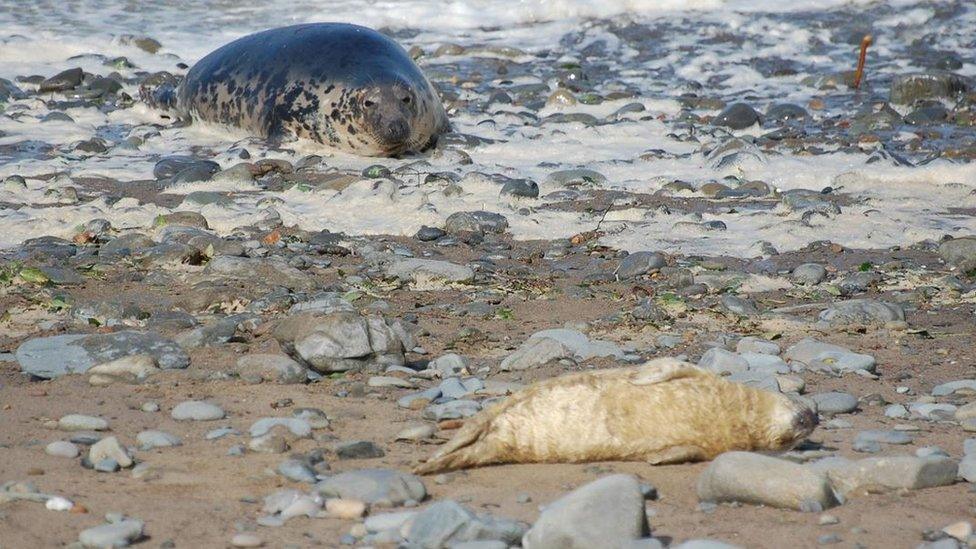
point(128, 369)
point(751, 344)
point(78, 422)
point(453, 409)
point(892, 473)
point(722, 362)
point(767, 364)
point(809, 274)
point(810, 353)
point(607, 513)
point(639, 263)
point(449, 365)
point(535, 352)
point(338, 342)
point(862, 312)
point(564, 343)
point(896, 411)
point(64, 80)
point(480, 222)
point(578, 177)
point(246, 540)
point(54, 356)
point(297, 470)
point(908, 88)
point(273, 368)
point(763, 480)
point(62, 448)
point(316, 418)
point(739, 306)
point(109, 448)
point(520, 188)
point(297, 427)
point(834, 402)
point(115, 534)
point(737, 116)
point(447, 523)
point(960, 252)
point(962, 386)
point(195, 410)
point(157, 439)
point(348, 509)
point(359, 449)
point(429, 234)
point(429, 273)
point(380, 487)
point(416, 432)
point(871, 441)
point(785, 112)
point(961, 530)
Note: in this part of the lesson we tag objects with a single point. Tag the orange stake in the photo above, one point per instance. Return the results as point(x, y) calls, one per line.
point(859, 73)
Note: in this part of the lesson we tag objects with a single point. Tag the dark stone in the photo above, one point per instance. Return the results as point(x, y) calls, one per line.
point(737, 116)
point(64, 80)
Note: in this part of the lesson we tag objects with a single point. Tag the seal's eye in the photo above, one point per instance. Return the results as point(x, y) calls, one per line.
point(406, 99)
point(368, 103)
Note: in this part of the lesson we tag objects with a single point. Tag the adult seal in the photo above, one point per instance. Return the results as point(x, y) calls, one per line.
point(342, 85)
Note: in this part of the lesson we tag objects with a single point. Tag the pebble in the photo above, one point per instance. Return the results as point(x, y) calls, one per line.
point(737, 116)
point(195, 410)
point(809, 274)
point(751, 344)
point(381, 487)
point(274, 368)
point(109, 449)
point(78, 422)
point(62, 448)
point(246, 540)
point(157, 439)
point(833, 403)
point(117, 534)
point(447, 523)
point(297, 427)
point(891, 473)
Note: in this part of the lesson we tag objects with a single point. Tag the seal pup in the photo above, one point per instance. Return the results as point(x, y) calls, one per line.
point(342, 85)
point(666, 411)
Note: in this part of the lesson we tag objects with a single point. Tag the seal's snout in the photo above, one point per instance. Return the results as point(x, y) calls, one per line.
point(396, 131)
point(805, 421)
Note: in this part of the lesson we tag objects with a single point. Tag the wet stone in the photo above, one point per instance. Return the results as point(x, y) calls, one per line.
point(64, 80)
point(737, 116)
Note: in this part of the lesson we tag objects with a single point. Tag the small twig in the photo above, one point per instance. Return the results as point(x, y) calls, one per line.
point(859, 73)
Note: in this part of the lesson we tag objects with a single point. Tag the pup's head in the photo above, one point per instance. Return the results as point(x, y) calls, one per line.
point(792, 422)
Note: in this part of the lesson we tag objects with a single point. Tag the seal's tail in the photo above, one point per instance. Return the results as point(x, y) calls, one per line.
point(158, 90)
point(464, 450)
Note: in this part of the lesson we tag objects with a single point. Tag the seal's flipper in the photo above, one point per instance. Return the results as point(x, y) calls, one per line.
point(466, 449)
point(676, 454)
point(664, 369)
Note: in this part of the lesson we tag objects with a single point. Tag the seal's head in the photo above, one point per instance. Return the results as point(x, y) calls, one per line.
point(792, 421)
point(394, 119)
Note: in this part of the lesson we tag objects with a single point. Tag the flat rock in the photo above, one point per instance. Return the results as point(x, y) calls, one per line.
point(722, 362)
point(109, 448)
point(54, 356)
point(157, 439)
point(447, 523)
point(381, 487)
point(79, 422)
point(862, 312)
point(763, 480)
point(892, 473)
point(960, 252)
point(115, 534)
point(274, 368)
point(196, 410)
point(608, 513)
point(430, 273)
point(834, 402)
point(810, 353)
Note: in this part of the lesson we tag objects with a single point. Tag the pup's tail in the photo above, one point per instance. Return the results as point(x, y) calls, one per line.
point(158, 90)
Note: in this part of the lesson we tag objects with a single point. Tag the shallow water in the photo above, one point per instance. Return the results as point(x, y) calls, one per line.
point(661, 55)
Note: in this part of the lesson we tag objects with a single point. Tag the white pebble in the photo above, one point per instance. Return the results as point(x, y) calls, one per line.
point(58, 503)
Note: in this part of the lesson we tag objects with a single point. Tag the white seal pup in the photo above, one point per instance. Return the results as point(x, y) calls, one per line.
point(346, 86)
point(665, 411)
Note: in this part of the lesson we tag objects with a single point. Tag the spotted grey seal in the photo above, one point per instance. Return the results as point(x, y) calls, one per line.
point(666, 411)
point(342, 85)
